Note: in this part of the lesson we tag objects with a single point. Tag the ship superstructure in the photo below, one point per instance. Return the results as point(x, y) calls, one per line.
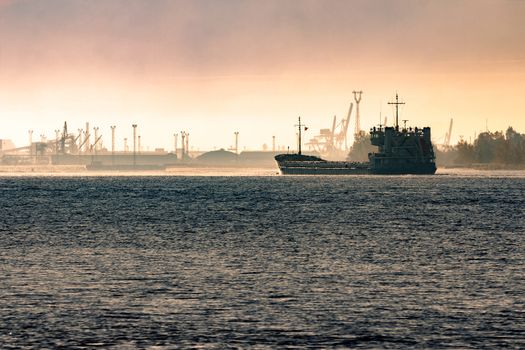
point(405, 151)
point(401, 150)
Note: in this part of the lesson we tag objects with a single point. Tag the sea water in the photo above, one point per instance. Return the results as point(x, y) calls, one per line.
point(262, 262)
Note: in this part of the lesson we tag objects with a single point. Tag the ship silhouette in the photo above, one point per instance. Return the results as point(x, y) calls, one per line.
point(400, 151)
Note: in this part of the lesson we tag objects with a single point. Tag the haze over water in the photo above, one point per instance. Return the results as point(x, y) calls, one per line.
point(215, 67)
point(263, 262)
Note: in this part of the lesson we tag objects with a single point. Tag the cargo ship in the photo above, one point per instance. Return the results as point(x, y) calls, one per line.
point(400, 151)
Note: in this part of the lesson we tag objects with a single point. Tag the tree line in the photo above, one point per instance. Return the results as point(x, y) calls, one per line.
point(500, 148)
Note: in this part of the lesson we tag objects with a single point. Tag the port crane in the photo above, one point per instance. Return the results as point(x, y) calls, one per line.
point(333, 141)
point(447, 135)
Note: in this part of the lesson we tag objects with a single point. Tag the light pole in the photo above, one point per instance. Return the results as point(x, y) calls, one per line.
point(187, 144)
point(95, 142)
point(43, 140)
point(31, 144)
point(236, 142)
point(182, 135)
point(113, 144)
point(134, 144)
point(57, 136)
point(175, 136)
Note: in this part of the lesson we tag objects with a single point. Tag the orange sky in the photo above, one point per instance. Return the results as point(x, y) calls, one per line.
point(213, 67)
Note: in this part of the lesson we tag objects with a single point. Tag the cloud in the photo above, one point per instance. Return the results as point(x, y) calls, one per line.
point(144, 37)
point(5, 2)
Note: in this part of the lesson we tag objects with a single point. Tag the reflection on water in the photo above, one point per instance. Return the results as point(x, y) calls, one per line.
point(273, 262)
point(65, 171)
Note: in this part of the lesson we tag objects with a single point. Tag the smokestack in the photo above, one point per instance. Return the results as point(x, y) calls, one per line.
point(426, 135)
point(388, 140)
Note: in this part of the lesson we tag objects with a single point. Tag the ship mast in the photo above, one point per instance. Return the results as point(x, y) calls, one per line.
point(299, 135)
point(397, 103)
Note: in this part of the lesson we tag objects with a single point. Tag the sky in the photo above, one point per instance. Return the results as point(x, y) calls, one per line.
point(213, 67)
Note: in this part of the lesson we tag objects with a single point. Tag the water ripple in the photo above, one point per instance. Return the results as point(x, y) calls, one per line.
point(262, 262)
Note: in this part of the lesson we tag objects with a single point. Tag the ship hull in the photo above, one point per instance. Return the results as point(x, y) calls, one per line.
point(423, 169)
point(407, 169)
point(322, 168)
point(322, 171)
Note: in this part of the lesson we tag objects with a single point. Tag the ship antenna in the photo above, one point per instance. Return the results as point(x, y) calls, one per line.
point(299, 127)
point(380, 115)
point(397, 103)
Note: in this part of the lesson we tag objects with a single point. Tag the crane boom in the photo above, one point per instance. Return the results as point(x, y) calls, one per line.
point(347, 123)
point(449, 133)
point(332, 134)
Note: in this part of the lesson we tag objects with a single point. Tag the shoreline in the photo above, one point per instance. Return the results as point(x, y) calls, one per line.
point(80, 170)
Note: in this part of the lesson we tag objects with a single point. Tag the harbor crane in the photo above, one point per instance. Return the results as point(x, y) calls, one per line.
point(447, 135)
point(333, 142)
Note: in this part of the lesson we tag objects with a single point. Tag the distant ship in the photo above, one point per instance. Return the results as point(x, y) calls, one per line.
point(400, 151)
